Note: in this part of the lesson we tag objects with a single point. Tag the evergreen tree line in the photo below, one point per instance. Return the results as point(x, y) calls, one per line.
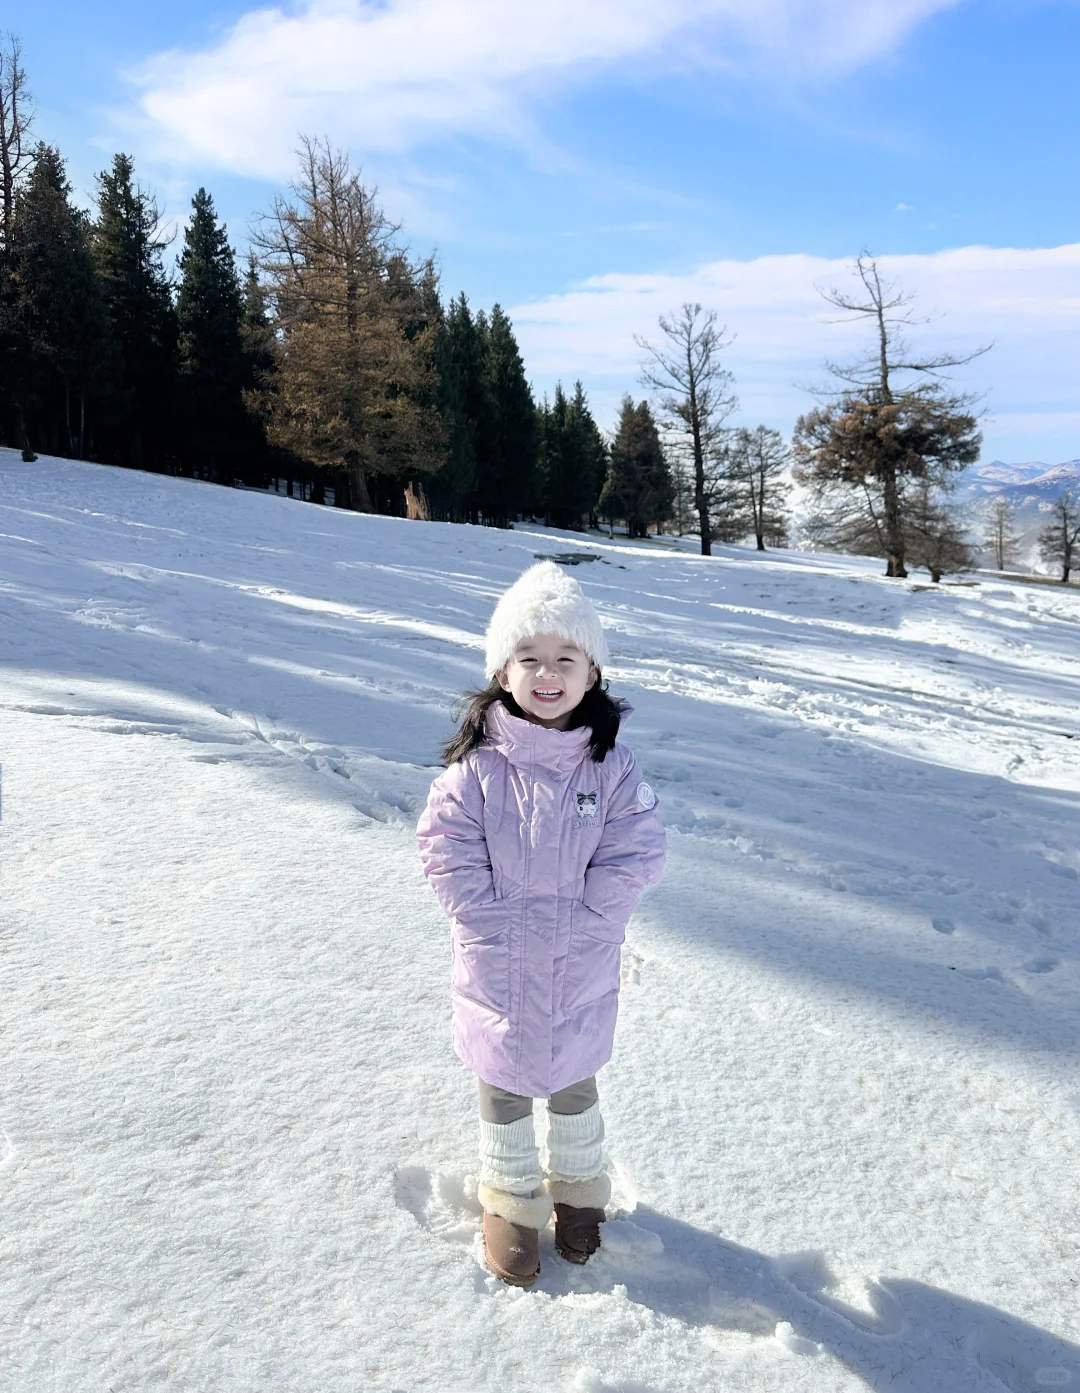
point(334, 362)
point(330, 360)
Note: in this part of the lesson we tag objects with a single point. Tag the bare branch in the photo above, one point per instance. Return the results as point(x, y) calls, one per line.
point(686, 376)
point(16, 122)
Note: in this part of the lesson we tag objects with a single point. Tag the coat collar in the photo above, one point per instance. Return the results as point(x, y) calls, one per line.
point(526, 743)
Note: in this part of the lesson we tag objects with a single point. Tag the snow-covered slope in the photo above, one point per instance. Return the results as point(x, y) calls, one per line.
point(236, 1148)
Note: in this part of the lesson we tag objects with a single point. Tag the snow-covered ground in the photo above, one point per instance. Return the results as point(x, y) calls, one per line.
point(235, 1145)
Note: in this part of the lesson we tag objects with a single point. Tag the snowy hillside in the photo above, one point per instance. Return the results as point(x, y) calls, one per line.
point(1030, 491)
point(236, 1149)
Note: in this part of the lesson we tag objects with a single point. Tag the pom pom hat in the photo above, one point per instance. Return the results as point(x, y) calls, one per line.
point(543, 600)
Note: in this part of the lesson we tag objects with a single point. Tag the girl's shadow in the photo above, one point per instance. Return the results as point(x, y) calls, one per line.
point(917, 1338)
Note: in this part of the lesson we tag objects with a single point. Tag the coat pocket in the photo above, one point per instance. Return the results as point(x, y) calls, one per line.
point(480, 961)
point(592, 958)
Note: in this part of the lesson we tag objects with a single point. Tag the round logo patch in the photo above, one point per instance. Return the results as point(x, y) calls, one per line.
point(645, 795)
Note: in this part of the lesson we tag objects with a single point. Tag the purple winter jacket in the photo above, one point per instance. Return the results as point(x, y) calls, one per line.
point(538, 854)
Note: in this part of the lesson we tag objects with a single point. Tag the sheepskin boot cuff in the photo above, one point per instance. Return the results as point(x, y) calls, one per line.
point(576, 1144)
point(530, 1211)
point(581, 1194)
point(509, 1159)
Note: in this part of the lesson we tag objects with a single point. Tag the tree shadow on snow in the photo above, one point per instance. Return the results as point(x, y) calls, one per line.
point(914, 1338)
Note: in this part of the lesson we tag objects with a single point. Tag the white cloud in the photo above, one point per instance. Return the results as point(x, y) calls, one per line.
point(1026, 301)
point(388, 76)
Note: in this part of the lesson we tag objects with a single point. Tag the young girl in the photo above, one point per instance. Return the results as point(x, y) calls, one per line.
point(538, 841)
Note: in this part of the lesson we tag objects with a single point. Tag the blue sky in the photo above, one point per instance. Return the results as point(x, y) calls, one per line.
point(589, 165)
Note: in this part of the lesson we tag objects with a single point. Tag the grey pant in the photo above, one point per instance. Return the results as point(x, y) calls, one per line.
point(498, 1105)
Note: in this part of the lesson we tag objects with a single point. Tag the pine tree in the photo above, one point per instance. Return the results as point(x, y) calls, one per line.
point(69, 359)
point(507, 458)
point(128, 251)
point(573, 459)
point(591, 450)
point(556, 461)
point(464, 407)
point(214, 366)
point(256, 329)
point(411, 293)
point(639, 487)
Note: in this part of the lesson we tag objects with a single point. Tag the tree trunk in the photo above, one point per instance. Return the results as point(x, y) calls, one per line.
point(359, 497)
point(894, 534)
point(68, 443)
point(704, 528)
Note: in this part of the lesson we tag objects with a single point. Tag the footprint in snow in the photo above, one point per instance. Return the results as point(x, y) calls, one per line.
point(445, 1205)
point(1041, 964)
point(985, 974)
point(700, 1278)
point(632, 963)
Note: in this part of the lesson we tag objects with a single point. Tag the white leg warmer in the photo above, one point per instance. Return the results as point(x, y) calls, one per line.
point(576, 1144)
point(576, 1173)
point(509, 1159)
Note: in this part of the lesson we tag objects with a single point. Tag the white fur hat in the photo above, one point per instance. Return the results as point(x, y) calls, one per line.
point(543, 600)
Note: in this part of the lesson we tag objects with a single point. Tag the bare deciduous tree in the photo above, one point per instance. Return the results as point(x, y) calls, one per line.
point(891, 421)
point(16, 120)
point(757, 466)
point(1059, 543)
point(693, 389)
point(1000, 538)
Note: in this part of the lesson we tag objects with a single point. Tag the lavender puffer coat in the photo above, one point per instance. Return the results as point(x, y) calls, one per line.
point(538, 854)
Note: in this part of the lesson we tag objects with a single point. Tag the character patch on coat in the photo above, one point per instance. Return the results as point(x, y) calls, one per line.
point(586, 804)
point(645, 796)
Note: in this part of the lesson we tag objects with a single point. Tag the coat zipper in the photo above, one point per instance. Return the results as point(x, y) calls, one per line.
point(524, 917)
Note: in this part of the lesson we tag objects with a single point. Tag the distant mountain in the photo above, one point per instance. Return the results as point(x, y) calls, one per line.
point(995, 476)
point(994, 472)
point(1061, 476)
point(1030, 491)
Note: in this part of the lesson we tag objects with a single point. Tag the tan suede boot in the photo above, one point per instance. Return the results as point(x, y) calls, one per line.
point(512, 1225)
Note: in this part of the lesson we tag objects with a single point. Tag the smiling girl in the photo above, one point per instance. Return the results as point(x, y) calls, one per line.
point(538, 841)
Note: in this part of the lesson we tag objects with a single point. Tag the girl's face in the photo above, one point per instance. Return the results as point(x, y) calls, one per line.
point(547, 677)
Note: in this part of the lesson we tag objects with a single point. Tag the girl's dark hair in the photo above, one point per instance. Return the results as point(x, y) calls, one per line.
point(602, 713)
